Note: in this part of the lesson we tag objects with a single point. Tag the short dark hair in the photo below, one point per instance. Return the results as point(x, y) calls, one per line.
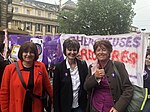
point(105, 43)
point(28, 46)
point(70, 43)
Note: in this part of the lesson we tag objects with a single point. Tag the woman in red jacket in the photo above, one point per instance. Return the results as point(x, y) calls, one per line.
point(13, 96)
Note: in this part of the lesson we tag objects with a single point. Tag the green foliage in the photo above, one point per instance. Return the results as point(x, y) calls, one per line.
point(98, 17)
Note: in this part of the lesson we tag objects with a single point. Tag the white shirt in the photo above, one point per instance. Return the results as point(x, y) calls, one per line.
point(75, 83)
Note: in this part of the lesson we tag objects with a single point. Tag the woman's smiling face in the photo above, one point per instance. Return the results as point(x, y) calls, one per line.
point(147, 60)
point(102, 53)
point(28, 56)
point(71, 53)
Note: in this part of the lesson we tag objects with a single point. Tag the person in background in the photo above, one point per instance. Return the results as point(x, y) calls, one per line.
point(103, 84)
point(146, 81)
point(9, 58)
point(69, 77)
point(3, 63)
point(52, 54)
point(13, 96)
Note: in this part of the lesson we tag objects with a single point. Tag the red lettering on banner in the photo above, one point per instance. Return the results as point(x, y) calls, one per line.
point(125, 56)
point(133, 56)
point(87, 54)
point(83, 53)
point(122, 56)
point(115, 55)
point(90, 54)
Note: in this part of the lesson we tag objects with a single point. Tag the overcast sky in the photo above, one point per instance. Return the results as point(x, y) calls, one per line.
point(142, 17)
point(141, 8)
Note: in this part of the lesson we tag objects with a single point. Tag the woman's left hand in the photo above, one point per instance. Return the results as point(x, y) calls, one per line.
point(113, 110)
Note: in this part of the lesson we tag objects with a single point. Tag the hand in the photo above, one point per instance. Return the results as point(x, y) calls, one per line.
point(99, 74)
point(113, 110)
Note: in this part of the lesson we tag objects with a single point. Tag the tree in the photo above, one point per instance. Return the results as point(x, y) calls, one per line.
point(98, 17)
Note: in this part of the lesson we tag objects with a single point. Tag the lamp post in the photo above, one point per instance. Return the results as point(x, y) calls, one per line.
point(143, 29)
point(64, 17)
point(69, 22)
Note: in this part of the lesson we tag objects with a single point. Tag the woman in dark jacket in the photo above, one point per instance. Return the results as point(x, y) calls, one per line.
point(69, 77)
point(103, 84)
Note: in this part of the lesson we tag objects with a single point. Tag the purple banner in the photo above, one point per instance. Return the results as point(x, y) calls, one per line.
point(49, 47)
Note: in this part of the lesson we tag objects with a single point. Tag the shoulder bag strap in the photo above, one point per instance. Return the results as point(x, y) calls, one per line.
point(117, 72)
point(20, 76)
point(23, 83)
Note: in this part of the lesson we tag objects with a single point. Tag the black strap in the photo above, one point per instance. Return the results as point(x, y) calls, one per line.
point(20, 76)
point(117, 72)
point(23, 83)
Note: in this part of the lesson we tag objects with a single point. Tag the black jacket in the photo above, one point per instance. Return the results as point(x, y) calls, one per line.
point(3, 64)
point(62, 86)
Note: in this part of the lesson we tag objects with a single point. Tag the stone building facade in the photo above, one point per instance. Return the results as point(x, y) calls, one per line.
point(36, 17)
point(3, 13)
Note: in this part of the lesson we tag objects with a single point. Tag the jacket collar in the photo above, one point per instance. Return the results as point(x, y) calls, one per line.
point(67, 64)
point(36, 64)
point(36, 71)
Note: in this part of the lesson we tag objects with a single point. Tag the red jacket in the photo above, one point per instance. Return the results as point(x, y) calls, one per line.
point(12, 93)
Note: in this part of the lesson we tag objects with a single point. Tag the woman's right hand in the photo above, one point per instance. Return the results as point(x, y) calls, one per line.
point(99, 74)
point(113, 110)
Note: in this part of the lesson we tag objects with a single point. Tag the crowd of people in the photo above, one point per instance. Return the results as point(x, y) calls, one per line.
point(75, 88)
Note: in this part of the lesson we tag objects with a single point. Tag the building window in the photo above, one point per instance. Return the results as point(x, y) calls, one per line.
point(39, 13)
point(17, 23)
point(28, 11)
point(56, 29)
point(53, 16)
point(29, 26)
point(16, 9)
point(38, 27)
point(49, 15)
point(49, 28)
